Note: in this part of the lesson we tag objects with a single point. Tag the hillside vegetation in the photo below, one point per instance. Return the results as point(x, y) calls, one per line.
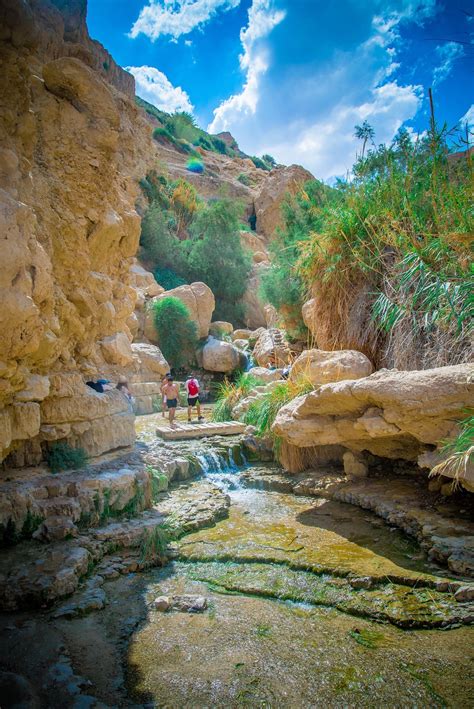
point(185, 239)
point(386, 257)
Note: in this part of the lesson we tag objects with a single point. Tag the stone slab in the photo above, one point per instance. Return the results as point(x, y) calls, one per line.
point(202, 430)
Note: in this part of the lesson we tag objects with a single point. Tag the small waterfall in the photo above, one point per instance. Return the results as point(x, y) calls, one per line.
point(220, 468)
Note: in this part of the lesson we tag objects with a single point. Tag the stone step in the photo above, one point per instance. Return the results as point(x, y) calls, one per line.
point(202, 430)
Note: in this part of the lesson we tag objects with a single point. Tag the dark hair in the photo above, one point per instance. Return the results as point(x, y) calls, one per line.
point(120, 385)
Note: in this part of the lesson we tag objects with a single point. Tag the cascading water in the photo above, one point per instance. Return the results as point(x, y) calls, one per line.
point(221, 468)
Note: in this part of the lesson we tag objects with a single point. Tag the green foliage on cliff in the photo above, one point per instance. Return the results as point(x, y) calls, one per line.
point(177, 333)
point(62, 456)
point(399, 237)
point(282, 284)
point(188, 240)
point(216, 257)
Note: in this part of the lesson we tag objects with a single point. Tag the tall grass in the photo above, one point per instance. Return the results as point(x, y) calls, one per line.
point(230, 393)
point(262, 412)
point(387, 256)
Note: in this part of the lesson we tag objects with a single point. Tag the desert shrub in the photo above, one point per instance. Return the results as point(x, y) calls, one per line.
point(177, 333)
point(258, 162)
point(244, 179)
point(185, 204)
point(62, 456)
point(161, 134)
point(157, 239)
point(216, 257)
point(218, 144)
point(269, 160)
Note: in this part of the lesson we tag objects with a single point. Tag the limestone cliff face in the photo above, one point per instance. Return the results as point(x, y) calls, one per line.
point(72, 145)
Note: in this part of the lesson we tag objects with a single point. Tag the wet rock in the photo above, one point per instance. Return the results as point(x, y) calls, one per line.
point(162, 603)
point(362, 582)
point(189, 604)
point(464, 594)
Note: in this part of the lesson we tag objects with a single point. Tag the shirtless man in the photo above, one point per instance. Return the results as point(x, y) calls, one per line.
point(171, 391)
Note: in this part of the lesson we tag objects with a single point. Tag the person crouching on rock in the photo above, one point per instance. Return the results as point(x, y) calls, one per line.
point(192, 390)
point(171, 391)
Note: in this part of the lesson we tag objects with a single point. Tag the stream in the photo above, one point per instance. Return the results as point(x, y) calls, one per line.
point(284, 628)
point(310, 603)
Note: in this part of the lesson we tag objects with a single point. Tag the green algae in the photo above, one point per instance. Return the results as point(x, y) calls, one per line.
point(400, 605)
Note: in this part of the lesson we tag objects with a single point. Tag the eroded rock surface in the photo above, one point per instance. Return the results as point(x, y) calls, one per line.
point(319, 367)
point(391, 414)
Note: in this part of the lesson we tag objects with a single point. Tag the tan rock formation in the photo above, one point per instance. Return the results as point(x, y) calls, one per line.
point(219, 356)
point(266, 375)
point(72, 148)
point(272, 347)
point(197, 297)
point(280, 182)
point(221, 327)
point(253, 303)
point(308, 313)
point(321, 367)
point(391, 414)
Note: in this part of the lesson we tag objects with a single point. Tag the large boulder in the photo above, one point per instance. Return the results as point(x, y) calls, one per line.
point(321, 367)
point(266, 375)
point(221, 327)
point(391, 414)
point(152, 366)
point(220, 356)
point(272, 347)
point(199, 300)
point(279, 183)
point(308, 313)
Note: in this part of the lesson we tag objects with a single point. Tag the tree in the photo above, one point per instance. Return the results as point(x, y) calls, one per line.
point(216, 257)
point(177, 333)
point(364, 132)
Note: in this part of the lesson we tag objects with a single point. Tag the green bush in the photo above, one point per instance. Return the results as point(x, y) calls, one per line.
point(244, 179)
point(168, 278)
point(216, 257)
point(62, 456)
point(177, 333)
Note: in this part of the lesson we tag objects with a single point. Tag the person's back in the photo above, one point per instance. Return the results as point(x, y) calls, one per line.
point(192, 390)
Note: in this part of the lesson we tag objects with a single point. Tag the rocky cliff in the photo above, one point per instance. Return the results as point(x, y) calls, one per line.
point(73, 147)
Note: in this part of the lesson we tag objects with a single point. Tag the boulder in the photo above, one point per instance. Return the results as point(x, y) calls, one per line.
point(271, 315)
point(308, 313)
point(117, 349)
point(144, 281)
point(321, 367)
point(279, 183)
point(221, 327)
point(198, 298)
point(272, 347)
point(152, 366)
point(355, 465)
point(266, 375)
point(391, 414)
point(219, 356)
point(241, 334)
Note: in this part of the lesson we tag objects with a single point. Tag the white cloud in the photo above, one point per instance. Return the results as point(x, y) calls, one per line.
point(328, 147)
point(176, 17)
point(253, 60)
point(155, 87)
point(468, 117)
point(448, 53)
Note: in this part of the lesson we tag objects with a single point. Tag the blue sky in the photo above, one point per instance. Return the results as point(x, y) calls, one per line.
point(293, 77)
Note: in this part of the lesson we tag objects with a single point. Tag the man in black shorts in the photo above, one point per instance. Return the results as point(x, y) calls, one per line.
point(171, 391)
point(192, 390)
